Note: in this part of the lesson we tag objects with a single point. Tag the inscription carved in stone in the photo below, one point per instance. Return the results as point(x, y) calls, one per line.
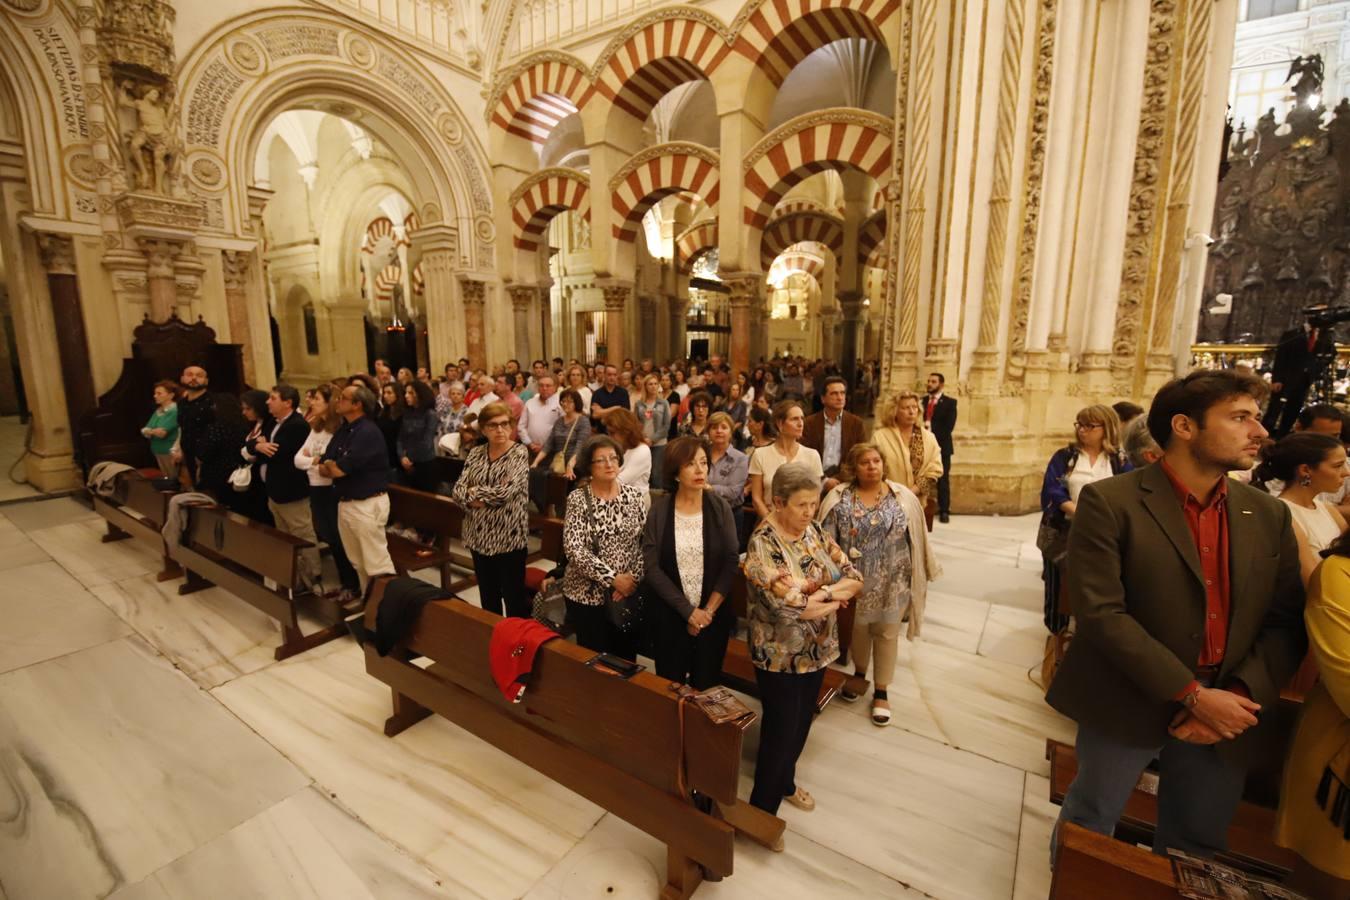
point(299, 40)
point(209, 99)
point(66, 80)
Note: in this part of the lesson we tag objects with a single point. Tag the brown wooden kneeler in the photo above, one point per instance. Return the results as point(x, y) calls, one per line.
point(615, 742)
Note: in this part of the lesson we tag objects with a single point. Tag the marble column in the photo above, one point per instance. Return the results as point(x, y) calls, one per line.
point(744, 290)
point(235, 265)
point(58, 259)
point(616, 302)
point(678, 309)
point(851, 333)
point(521, 296)
point(646, 325)
point(159, 276)
point(474, 295)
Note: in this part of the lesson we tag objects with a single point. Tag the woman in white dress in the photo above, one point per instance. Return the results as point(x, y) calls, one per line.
point(1309, 464)
point(789, 419)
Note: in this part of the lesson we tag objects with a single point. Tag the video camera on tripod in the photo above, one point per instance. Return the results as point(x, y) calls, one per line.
point(1326, 316)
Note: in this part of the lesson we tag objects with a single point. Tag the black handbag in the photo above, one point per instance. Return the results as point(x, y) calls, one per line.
point(625, 614)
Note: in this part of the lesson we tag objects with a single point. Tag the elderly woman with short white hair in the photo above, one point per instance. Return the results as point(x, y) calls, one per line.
point(797, 578)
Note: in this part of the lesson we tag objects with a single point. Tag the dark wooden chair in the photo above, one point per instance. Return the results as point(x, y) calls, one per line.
point(1093, 865)
point(629, 746)
point(137, 509)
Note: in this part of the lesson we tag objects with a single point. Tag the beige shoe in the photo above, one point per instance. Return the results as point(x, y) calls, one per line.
point(802, 800)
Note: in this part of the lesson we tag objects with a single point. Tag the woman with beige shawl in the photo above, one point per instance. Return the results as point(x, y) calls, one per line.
point(880, 525)
point(909, 450)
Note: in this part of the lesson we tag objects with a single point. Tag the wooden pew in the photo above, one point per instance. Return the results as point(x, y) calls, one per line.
point(223, 548)
point(433, 513)
point(1251, 841)
point(137, 509)
point(616, 742)
point(739, 672)
point(1093, 865)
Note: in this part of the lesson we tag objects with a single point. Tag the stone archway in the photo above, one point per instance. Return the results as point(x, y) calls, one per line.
point(243, 75)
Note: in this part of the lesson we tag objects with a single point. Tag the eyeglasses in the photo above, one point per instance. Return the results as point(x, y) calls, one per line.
point(1088, 426)
point(605, 461)
point(501, 423)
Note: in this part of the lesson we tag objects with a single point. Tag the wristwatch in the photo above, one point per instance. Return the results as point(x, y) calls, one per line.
point(1191, 699)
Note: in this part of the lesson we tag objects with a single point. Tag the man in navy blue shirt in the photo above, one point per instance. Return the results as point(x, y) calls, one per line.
point(358, 462)
point(607, 398)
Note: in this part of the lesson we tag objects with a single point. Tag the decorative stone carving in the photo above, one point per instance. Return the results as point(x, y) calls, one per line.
point(472, 291)
point(616, 295)
point(149, 211)
point(521, 296)
point(151, 147)
point(57, 252)
point(160, 255)
point(247, 55)
point(210, 97)
point(234, 266)
point(66, 80)
point(1144, 190)
point(205, 171)
point(1033, 181)
point(139, 33)
point(25, 6)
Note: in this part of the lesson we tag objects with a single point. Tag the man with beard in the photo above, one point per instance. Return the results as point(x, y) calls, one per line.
point(196, 412)
point(1186, 590)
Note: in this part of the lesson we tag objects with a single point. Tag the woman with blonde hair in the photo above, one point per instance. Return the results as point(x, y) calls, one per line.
point(910, 451)
point(1095, 454)
point(879, 524)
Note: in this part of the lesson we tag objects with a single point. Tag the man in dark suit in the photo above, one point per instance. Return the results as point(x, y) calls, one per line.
point(1299, 357)
point(1186, 590)
point(287, 486)
point(939, 414)
point(833, 431)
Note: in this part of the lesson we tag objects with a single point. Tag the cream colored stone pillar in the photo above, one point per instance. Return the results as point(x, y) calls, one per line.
point(437, 249)
point(646, 343)
point(616, 295)
point(521, 297)
point(235, 265)
point(677, 308)
point(473, 293)
point(159, 275)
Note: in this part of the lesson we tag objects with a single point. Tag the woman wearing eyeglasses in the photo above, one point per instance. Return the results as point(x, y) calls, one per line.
point(493, 490)
point(602, 534)
point(1095, 454)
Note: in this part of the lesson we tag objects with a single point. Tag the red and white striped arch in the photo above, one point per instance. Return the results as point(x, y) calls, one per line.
point(541, 95)
point(871, 238)
point(793, 228)
point(650, 59)
point(656, 173)
point(805, 257)
point(376, 231)
point(695, 239)
point(781, 33)
point(804, 204)
point(419, 284)
point(385, 282)
point(814, 143)
point(541, 197)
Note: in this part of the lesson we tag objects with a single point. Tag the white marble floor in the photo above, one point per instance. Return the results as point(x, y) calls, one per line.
point(150, 749)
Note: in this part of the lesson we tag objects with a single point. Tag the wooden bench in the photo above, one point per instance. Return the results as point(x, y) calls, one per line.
point(443, 519)
point(238, 554)
point(618, 743)
point(1251, 845)
point(1093, 865)
point(739, 672)
point(137, 509)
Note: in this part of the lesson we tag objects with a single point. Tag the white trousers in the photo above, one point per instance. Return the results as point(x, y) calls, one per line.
point(361, 527)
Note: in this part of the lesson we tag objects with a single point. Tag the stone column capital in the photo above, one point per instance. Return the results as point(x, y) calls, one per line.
point(616, 294)
point(57, 252)
point(744, 287)
point(522, 295)
point(160, 254)
point(472, 291)
point(234, 265)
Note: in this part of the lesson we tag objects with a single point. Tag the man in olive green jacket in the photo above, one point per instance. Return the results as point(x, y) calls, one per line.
point(1186, 590)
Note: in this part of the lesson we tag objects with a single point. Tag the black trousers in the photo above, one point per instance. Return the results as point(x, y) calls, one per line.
point(682, 657)
point(501, 577)
point(323, 509)
point(595, 632)
point(944, 485)
point(789, 702)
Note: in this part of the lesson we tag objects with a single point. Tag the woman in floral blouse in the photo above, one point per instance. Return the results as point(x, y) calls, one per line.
point(602, 532)
point(880, 525)
point(797, 579)
point(493, 489)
